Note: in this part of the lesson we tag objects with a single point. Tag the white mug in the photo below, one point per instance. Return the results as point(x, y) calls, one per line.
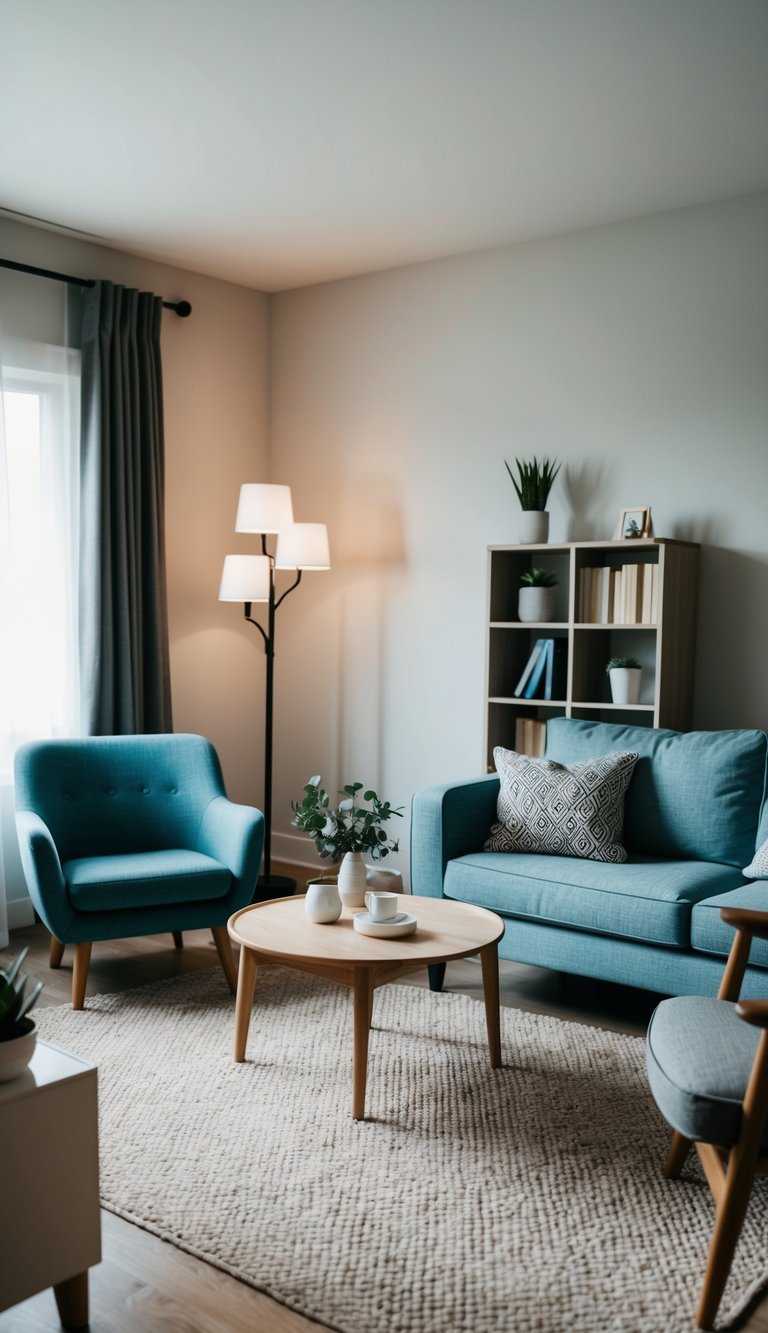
point(323, 901)
point(382, 906)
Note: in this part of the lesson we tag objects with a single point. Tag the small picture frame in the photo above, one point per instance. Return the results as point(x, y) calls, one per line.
point(633, 523)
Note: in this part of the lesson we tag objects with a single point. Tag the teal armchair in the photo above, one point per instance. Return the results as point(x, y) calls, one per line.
point(132, 835)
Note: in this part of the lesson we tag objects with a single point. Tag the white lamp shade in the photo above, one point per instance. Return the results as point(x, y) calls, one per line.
point(245, 578)
point(264, 508)
point(303, 546)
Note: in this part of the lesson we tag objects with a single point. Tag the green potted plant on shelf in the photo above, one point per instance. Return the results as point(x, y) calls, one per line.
point(17, 1030)
point(533, 483)
point(625, 675)
point(536, 599)
point(347, 833)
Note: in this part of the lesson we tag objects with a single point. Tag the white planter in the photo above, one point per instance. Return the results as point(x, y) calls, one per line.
point(536, 604)
point(323, 901)
point(352, 880)
point(625, 684)
point(533, 529)
point(16, 1054)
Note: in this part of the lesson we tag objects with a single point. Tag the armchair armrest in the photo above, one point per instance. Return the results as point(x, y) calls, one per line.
point(234, 835)
point(742, 918)
point(447, 822)
point(754, 1012)
point(43, 873)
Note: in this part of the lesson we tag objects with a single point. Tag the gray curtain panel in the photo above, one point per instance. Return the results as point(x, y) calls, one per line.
point(125, 676)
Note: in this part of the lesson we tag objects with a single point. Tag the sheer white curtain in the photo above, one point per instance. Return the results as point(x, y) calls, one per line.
point(39, 448)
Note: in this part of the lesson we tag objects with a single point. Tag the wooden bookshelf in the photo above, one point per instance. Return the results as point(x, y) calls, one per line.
point(661, 636)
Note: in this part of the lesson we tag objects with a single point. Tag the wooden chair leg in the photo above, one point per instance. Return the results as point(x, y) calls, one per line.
point(72, 1301)
point(226, 956)
point(57, 952)
point(80, 973)
point(731, 1212)
point(679, 1149)
point(178, 939)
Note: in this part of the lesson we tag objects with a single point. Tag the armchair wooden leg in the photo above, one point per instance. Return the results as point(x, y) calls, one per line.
point(678, 1151)
point(226, 956)
point(57, 952)
point(178, 939)
point(731, 1211)
point(80, 973)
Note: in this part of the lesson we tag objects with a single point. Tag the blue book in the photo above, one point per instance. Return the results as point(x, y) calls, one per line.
point(537, 675)
point(529, 666)
point(556, 669)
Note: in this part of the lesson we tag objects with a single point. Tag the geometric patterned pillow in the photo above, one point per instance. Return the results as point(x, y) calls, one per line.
point(758, 866)
point(573, 810)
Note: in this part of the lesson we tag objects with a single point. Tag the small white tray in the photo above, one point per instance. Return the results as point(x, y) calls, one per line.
point(403, 924)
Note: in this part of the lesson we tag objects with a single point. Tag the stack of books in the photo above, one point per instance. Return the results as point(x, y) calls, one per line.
point(544, 674)
point(625, 596)
point(530, 736)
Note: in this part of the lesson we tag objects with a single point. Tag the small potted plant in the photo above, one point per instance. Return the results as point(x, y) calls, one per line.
point(536, 599)
point(625, 675)
point(17, 1031)
point(533, 483)
point(348, 833)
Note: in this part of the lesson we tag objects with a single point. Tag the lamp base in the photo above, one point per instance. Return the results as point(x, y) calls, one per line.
point(273, 886)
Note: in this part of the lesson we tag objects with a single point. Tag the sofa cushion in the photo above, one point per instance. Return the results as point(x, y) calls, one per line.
point(696, 795)
point(710, 934)
point(575, 810)
point(144, 879)
point(758, 866)
point(699, 1055)
point(644, 899)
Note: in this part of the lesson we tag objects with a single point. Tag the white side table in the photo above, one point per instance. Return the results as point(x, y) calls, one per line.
point(49, 1169)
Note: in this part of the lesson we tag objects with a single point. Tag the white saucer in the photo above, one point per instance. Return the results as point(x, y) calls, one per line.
point(402, 924)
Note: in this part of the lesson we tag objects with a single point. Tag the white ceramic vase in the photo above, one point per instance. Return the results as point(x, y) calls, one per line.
point(625, 684)
point(323, 901)
point(533, 529)
point(536, 604)
point(16, 1054)
point(352, 880)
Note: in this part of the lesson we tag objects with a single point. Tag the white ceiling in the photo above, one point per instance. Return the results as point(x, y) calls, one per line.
point(283, 142)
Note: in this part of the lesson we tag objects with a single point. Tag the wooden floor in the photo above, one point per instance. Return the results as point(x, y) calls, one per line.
point(145, 1285)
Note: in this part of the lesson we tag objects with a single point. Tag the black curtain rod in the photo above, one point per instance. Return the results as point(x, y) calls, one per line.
point(181, 308)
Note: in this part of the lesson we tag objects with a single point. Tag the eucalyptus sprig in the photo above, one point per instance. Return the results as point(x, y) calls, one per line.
point(14, 1004)
point(535, 482)
point(351, 827)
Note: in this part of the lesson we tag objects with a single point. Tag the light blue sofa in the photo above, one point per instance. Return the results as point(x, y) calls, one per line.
point(695, 811)
point(132, 835)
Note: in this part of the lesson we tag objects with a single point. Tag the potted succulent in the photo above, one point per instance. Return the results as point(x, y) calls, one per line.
point(536, 599)
point(17, 1031)
point(348, 833)
point(625, 674)
point(533, 483)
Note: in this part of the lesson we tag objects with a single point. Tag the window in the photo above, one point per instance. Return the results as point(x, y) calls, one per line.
point(39, 389)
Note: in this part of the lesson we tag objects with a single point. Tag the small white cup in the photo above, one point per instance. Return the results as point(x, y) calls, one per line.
point(382, 906)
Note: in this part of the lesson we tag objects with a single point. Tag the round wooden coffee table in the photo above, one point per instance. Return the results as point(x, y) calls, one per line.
point(279, 931)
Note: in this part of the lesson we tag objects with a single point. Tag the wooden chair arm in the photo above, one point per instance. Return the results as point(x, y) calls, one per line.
point(741, 918)
point(754, 1012)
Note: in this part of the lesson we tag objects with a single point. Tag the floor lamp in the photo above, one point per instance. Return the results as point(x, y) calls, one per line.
point(268, 511)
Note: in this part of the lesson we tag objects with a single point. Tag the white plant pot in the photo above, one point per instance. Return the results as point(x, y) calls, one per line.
point(352, 880)
point(625, 684)
point(323, 901)
point(533, 529)
point(16, 1054)
point(536, 604)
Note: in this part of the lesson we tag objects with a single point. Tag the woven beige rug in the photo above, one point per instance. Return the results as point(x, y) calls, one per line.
point(529, 1200)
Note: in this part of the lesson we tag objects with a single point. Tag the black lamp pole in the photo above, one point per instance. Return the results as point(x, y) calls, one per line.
point(269, 885)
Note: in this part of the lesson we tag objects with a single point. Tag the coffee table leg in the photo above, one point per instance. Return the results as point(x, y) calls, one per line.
point(246, 982)
point(362, 993)
point(489, 957)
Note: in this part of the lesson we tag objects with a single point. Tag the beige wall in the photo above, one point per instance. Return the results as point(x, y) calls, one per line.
point(215, 367)
point(636, 353)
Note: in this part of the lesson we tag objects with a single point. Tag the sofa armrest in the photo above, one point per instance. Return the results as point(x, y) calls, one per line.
point(43, 873)
point(234, 835)
point(447, 822)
